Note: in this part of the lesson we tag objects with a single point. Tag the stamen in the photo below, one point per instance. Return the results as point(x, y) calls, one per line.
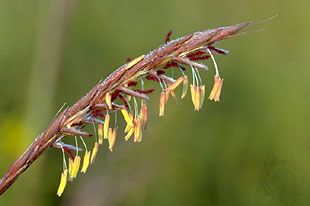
point(202, 91)
point(216, 90)
point(63, 182)
point(138, 132)
point(100, 133)
point(185, 87)
point(106, 126)
point(174, 85)
point(94, 152)
point(112, 138)
point(129, 134)
point(85, 162)
point(75, 167)
point(86, 157)
point(126, 117)
point(162, 102)
point(128, 126)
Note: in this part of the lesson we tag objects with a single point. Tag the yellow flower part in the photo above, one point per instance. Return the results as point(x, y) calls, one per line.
point(175, 84)
point(75, 167)
point(106, 126)
point(63, 182)
point(100, 133)
point(70, 168)
point(108, 100)
point(167, 97)
point(185, 87)
point(127, 117)
point(94, 153)
point(162, 102)
point(197, 98)
point(137, 130)
point(112, 138)
point(216, 90)
point(144, 113)
point(129, 134)
point(202, 91)
point(85, 161)
point(128, 127)
point(193, 94)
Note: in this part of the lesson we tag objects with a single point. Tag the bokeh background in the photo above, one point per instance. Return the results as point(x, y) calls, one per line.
point(54, 51)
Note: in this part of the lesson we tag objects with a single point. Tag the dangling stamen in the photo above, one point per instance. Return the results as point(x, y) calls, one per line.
point(216, 90)
point(174, 85)
point(64, 175)
point(202, 91)
point(144, 114)
point(94, 153)
point(185, 87)
point(100, 133)
point(86, 157)
point(127, 117)
point(137, 131)
point(218, 82)
point(106, 126)
point(162, 103)
point(128, 126)
point(112, 138)
point(76, 162)
point(195, 92)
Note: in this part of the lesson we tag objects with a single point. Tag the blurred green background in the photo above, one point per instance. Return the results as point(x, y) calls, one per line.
point(53, 52)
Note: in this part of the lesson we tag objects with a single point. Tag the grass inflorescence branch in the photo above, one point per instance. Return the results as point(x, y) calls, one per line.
point(118, 93)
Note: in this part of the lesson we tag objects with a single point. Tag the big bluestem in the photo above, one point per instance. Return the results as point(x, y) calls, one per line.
point(124, 92)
